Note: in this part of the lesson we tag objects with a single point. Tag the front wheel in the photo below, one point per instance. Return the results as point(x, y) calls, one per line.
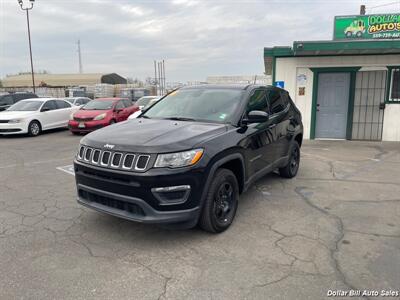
point(221, 202)
point(290, 170)
point(34, 128)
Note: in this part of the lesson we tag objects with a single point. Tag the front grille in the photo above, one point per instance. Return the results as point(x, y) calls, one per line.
point(114, 159)
point(113, 203)
point(83, 119)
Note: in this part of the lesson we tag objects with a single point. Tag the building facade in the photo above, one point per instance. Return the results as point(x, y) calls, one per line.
point(345, 89)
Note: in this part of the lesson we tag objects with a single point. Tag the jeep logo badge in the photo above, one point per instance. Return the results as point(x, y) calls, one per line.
point(109, 146)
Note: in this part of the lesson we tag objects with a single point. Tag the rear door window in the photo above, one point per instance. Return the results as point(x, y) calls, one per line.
point(276, 102)
point(62, 104)
point(50, 105)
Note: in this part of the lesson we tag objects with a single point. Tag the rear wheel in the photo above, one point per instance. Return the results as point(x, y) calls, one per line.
point(290, 170)
point(221, 202)
point(34, 128)
point(112, 122)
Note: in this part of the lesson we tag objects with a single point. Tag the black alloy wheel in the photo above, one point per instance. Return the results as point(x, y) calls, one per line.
point(220, 205)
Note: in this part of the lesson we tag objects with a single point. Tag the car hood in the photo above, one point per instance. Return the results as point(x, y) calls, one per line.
point(8, 115)
point(153, 136)
point(89, 113)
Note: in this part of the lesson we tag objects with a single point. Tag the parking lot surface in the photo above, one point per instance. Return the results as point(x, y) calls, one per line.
point(334, 227)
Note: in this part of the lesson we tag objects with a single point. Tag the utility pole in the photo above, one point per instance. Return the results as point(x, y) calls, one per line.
point(80, 57)
point(163, 67)
point(27, 9)
point(159, 77)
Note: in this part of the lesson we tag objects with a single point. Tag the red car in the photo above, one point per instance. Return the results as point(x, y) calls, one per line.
point(99, 113)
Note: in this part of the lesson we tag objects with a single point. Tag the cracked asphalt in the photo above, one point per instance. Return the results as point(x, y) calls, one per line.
point(334, 227)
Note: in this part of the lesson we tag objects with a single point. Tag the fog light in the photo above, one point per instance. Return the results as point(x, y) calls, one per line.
point(171, 194)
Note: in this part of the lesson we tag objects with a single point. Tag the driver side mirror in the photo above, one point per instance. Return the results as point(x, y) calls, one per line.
point(256, 116)
point(45, 109)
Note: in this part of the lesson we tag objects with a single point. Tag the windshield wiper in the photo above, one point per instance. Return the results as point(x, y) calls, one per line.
point(145, 117)
point(179, 119)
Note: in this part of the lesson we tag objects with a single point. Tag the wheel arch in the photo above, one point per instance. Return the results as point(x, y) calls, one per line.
point(233, 162)
point(36, 120)
point(299, 139)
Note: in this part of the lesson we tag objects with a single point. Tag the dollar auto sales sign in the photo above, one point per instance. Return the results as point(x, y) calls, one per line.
point(369, 27)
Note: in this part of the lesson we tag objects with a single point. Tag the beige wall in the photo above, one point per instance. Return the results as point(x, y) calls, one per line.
point(288, 69)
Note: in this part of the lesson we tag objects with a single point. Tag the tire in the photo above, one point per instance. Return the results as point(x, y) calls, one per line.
point(34, 128)
point(220, 205)
point(349, 34)
point(75, 133)
point(291, 169)
point(358, 34)
point(113, 122)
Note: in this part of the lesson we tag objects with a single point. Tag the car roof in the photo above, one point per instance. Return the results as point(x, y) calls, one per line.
point(108, 99)
point(39, 99)
point(228, 86)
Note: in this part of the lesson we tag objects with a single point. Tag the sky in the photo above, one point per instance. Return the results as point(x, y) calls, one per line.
point(196, 38)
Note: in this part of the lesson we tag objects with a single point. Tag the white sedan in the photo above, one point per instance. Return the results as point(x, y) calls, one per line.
point(32, 116)
point(150, 100)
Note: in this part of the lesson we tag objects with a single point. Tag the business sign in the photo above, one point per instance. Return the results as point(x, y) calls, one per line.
point(370, 27)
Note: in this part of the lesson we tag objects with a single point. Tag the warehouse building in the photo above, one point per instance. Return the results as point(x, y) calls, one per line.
point(62, 80)
point(348, 87)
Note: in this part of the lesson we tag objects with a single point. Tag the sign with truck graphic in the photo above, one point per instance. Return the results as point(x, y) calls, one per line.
point(367, 27)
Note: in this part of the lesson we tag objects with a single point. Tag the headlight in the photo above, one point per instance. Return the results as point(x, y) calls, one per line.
point(14, 121)
point(100, 117)
point(179, 159)
point(71, 116)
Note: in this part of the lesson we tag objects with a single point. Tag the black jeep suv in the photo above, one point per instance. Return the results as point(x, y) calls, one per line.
point(9, 99)
point(185, 160)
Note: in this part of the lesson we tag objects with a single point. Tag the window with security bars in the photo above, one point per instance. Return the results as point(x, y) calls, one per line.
point(394, 92)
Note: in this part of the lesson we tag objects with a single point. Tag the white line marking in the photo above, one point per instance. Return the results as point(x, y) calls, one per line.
point(67, 169)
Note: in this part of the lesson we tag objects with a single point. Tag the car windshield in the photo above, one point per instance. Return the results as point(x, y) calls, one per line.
point(99, 105)
point(144, 101)
point(202, 104)
point(25, 106)
point(151, 102)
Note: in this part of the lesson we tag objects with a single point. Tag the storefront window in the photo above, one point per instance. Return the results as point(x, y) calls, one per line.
point(394, 95)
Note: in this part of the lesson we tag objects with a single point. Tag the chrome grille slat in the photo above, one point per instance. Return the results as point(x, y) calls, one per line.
point(137, 161)
point(113, 159)
point(88, 154)
point(95, 151)
point(128, 167)
point(102, 158)
point(116, 154)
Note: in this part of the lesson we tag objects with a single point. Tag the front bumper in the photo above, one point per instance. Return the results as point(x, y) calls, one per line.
point(15, 128)
point(131, 208)
point(131, 196)
point(89, 126)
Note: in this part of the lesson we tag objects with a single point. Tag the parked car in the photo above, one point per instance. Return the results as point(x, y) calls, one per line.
point(186, 159)
point(143, 108)
point(142, 102)
point(99, 113)
point(9, 99)
point(35, 115)
point(78, 101)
